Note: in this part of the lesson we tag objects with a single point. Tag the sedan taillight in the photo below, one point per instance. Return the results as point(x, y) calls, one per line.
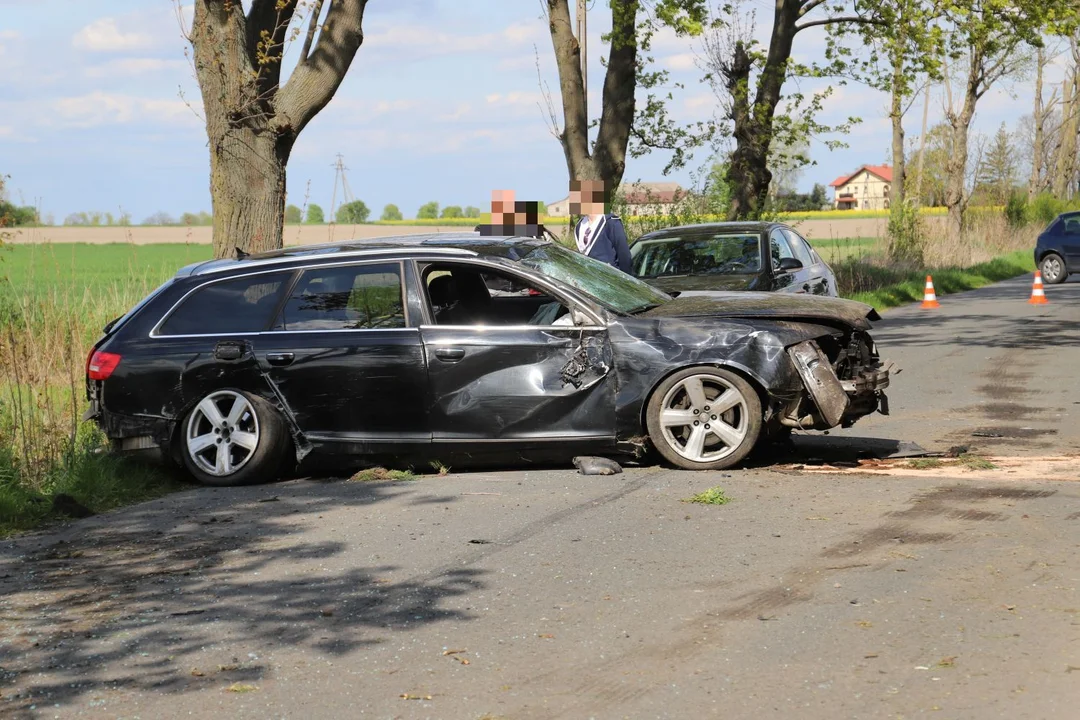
point(101, 365)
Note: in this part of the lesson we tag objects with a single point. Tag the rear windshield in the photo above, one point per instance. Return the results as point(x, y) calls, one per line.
point(719, 254)
point(240, 305)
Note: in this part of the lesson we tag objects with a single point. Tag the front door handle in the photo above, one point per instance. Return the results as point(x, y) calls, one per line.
point(280, 358)
point(449, 354)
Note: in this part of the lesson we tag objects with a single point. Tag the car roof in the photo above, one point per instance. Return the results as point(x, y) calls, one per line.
point(743, 226)
point(459, 244)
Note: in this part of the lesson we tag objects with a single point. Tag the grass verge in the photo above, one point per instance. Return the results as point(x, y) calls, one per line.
point(885, 287)
point(86, 483)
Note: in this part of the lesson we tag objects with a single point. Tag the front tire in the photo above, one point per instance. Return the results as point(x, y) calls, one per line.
point(1052, 268)
point(704, 418)
point(233, 438)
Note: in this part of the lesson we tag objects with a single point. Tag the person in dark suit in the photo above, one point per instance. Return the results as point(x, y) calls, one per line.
point(599, 234)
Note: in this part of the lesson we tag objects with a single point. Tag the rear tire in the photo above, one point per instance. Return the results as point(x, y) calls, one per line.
point(233, 438)
point(1053, 269)
point(704, 418)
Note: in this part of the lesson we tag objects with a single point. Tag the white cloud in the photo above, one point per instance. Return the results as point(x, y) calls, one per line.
point(9, 35)
point(6, 130)
point(104, 36)
point(128, 67)
point(682, 61)
point(422, 41)
point(99, 108)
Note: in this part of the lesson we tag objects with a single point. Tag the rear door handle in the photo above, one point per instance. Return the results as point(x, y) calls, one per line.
point(449, 354)
point(280, 358)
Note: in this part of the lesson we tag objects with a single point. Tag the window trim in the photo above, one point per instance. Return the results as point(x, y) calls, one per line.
point(295, 272)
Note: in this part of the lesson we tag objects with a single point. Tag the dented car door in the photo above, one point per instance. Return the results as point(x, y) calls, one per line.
point(495, 383)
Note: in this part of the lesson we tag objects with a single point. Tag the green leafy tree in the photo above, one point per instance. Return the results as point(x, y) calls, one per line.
point(293, 215)
point(749, 82)
point(908, 45)
point(452, 211)
point(391, 212)
point(315, 215)
point(472, 212)
point(999, 167)
point(994, 40)
point(428, 211)
point(254, 114)
point(633, 25)
point(352, 213)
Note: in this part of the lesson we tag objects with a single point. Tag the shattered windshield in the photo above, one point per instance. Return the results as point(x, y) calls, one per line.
point(610, 287)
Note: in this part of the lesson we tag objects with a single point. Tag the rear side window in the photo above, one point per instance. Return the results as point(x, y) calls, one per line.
point(241, 305)
point(358, 297)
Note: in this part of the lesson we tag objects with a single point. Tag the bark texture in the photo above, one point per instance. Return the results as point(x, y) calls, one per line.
point(1038, 117)
point(606, 160)
point(956, 195)
point(252, 120)
point(897, 191)
point(1065, 172)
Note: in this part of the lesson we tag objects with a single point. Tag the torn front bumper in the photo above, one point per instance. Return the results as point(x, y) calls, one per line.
point(834, 401)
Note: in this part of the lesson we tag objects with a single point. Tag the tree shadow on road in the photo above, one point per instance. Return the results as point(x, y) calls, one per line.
point(175, 593)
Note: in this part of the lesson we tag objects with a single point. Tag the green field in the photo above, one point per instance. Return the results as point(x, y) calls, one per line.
point(79, 266)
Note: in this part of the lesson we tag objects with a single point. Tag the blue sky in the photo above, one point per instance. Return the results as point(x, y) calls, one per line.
point(99, 108)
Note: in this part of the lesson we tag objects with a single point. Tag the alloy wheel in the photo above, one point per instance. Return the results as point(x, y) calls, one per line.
point(222, 433)
point(704, 418)
point(1052, 269)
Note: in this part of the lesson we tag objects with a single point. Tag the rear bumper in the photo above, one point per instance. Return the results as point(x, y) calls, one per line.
point(132, 433)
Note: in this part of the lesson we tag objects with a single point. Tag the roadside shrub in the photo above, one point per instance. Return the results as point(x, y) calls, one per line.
point(906, 236)
point(1016, 210)
point(1045, 207)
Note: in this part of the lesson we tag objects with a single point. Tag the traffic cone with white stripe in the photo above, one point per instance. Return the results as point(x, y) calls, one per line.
point(1038, 297)
point(929, 298)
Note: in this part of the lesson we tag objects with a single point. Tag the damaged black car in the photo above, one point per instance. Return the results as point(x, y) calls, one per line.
point(464, 348)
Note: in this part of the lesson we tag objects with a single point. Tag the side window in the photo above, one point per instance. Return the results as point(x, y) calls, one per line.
point(779, 248)
point(245, 304)
point(802, 250)
point(1072, 225)
point(356, 297)
point(461, 295)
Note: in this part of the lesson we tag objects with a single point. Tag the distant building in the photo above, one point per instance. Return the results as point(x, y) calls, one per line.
point(646, 198)
point(865, 189)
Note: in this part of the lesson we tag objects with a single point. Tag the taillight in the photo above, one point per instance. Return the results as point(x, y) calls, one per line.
point(101, 365)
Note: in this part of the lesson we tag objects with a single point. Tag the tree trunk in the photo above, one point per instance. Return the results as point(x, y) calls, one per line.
point(748, 173)
point(247, 189)
point(1038, 119)
point(252, 119)
point(897, 191)
point(606, 160)
point(1066, 159)
point(956, 196)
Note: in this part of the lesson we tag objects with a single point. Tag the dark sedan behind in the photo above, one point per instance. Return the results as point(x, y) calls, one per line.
point(764, 256)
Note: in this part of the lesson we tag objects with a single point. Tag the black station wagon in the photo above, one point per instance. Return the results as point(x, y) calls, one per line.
point(465, 348)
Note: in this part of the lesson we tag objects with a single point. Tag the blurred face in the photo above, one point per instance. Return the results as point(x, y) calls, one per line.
point(587, 197)
point(502, 207)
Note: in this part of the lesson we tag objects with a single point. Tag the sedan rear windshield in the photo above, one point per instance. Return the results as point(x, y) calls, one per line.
point(726, 254)
point(608, 286)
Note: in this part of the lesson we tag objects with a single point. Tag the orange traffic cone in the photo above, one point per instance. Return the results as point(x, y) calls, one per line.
point(1038, 297)
point(929, 298)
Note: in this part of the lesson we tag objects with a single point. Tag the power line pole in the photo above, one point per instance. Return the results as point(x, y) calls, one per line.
point(583, 44)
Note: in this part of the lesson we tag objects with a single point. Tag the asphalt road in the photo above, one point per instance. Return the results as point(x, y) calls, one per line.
point(543, 594)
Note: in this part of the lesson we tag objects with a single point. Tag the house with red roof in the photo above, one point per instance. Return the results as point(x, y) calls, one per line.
point(865, 189)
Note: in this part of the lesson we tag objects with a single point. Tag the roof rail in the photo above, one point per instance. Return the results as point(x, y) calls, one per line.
point(220, 266)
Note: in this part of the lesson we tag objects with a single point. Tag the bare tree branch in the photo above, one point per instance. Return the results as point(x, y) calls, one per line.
point(314, 82)
point(838, 19)
point(313, 25)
